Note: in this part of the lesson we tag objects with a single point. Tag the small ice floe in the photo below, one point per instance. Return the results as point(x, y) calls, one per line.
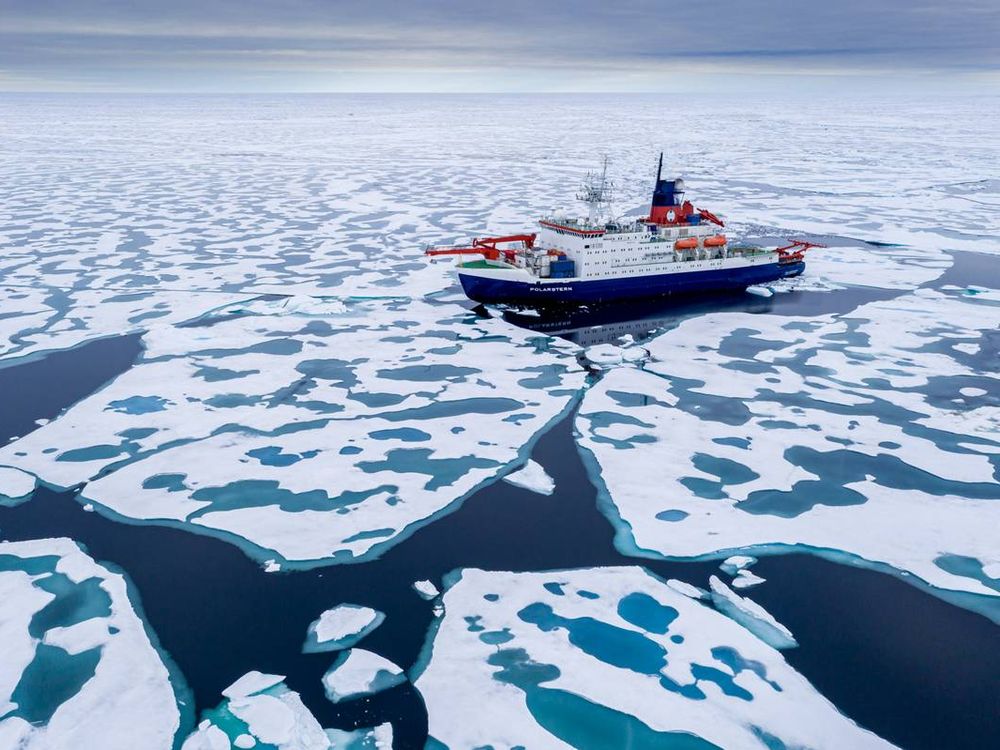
point(259, 710)
point(760, 291)
point(271, 566)
point(746, 578)
point(635, 662)
point(751, 615)
point(88, 507)
point(685, 588)
point(358, 672)
point(732, 565)
point(971, 392)
point(606, 356)
point(376, 738)
point(15, 484)
point(532, 476)
point(341, 627)
point(41, 422)
point(426, 589)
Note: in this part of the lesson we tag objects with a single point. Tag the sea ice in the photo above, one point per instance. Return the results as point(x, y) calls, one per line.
point(835, 433)
point(322, 434)
point(357, 672)
point(341, 627)
point(426, 589)
point(634, 661)
point(15, 484)
point(532, 476)
point(72, 643)
point(259, 708)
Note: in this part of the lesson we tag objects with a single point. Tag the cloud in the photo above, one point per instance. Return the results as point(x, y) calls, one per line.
point(292, 44)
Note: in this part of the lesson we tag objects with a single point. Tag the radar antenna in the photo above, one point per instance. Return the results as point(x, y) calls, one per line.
point(597, 192)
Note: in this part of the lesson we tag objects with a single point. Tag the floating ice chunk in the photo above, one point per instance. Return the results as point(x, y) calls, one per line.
point(605, 355)
point(685, 588)
point(357, 672)
point(426, 589)
point(250, 684)
point(15, 484)
point(760, 291)
point(376, 738)
point(532, 476)
point(735, 563)
point(68, 621)
point(973, 392)
point(341, 627)
point(259, 709)
point(609, 355)
point(271, 566)
point(751, 615)
point(640, 664)
point(746, 578)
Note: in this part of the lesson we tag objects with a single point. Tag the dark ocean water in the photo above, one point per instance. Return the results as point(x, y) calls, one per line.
point(909, 666)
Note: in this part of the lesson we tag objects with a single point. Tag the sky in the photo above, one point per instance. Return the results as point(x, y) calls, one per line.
point(499, 45)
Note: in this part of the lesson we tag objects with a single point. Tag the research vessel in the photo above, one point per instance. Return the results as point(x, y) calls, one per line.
point(675, 249)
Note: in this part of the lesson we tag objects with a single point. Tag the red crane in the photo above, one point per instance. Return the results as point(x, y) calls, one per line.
point(486, 246)
point(795, 252)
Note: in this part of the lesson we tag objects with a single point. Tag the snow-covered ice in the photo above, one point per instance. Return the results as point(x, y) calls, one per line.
point(312, 431)
point(358, 672)
point(15, 484)
point(426, 589)
point(613, 653)
point(260, 711)
point(342, 627)
point(846, 434)
point(532, 476)
point(72, 641)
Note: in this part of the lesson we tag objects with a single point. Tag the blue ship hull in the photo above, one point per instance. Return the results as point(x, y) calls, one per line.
point(591, 291)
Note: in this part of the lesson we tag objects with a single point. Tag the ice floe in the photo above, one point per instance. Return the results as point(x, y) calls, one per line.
point(358, 672)
point(532, 476)
point(259, 710)
point(323, 434)
point(15, 484)
point(426, 589)
point(72, 642)
point(341, 627)
point(844, 434)
point(632, 661)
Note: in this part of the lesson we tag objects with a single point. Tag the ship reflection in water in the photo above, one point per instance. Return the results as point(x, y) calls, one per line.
point(606, 324)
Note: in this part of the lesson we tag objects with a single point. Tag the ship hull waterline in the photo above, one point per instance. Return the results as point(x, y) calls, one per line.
point(494, 289)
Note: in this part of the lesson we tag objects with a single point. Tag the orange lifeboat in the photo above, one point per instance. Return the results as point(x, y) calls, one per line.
point(717, 240)
point(688, 243)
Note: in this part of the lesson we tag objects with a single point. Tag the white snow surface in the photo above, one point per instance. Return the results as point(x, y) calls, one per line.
point(835, 432)
point(532, 476)
point(426, 589)
point(359, 672)
point(343, 626)
point(270, 712)
point(101, 714)
point(314, 430)
point(14, 483)
point(465, 675)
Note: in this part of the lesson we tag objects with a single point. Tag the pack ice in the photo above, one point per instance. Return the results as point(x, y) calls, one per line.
point(308, 430)
point(854, 434)
point(260, 711)
point(77, 668)
point(609, 657)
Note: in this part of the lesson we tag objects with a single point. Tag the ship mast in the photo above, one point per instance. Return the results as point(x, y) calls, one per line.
point(597, 192)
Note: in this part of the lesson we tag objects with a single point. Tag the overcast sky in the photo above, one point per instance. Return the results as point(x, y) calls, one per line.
point(512, 45)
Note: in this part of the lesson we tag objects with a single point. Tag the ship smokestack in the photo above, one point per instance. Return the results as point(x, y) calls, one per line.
point(667, 196)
